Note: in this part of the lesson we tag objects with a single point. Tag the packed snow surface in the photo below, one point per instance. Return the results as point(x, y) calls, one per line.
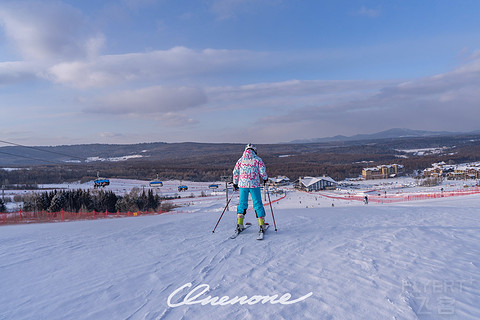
point(408, 260)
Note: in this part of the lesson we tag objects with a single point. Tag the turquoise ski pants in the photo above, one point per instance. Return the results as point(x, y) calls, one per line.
point(256, 199)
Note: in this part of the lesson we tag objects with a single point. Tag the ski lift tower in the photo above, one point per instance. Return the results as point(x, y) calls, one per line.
point(227, 179)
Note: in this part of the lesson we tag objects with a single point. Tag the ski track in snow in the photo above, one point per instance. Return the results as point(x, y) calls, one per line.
point(416, 260)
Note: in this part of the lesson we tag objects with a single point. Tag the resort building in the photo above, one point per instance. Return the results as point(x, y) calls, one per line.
point(383, 172)
point(317, 183)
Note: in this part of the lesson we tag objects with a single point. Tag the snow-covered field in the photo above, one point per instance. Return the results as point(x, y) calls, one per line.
point(409, 260)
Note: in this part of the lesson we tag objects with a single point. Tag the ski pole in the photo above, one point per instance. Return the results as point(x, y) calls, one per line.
point(228, 202)
point(269, 201)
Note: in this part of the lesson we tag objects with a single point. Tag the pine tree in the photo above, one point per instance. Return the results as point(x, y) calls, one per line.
point(3, 208)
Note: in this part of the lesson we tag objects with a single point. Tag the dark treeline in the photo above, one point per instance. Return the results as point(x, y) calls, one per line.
point(338, 161)
point(87, 201)
point(337, 166)
point(293, 168)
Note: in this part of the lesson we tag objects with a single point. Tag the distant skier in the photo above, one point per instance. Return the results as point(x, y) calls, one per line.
point(248, 174)
point(365, 200)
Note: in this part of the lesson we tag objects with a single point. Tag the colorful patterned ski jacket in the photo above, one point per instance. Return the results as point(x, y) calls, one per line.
point(248, 170)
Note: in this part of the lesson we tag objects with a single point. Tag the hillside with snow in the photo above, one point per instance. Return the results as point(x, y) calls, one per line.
point(331, 258)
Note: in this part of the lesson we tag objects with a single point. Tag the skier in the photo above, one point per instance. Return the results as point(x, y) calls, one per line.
point(247, 173)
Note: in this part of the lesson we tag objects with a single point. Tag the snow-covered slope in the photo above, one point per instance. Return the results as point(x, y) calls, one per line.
point(419, 260)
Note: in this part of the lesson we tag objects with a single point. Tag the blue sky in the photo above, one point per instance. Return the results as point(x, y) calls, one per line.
point(261, 71)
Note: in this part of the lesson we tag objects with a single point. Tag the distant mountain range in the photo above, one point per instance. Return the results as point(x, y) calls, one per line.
point(394, 133)
point(16, 155)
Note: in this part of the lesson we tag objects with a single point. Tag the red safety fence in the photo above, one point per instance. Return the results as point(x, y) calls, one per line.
point(276, 200)
point(273, 201)
point(45, 216)
point(400, 197)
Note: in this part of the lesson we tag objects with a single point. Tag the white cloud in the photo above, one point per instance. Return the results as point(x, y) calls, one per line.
point(173, 119)
point(226, 9)
point(134, 4)
point(445, 101)
point(18, 71)
point(111, 135)
point(348, 106)
point(144, 102)
point(368, 12)
point(46, 30)
point(293, 88)
point(159, 65)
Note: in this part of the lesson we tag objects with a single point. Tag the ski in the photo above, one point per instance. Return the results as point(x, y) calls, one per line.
point(262, 233)
point(237, 232)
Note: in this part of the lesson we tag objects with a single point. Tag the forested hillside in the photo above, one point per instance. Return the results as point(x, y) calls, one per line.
point(208, 162)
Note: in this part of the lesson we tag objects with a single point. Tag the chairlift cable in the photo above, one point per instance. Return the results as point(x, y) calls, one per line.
point(39, 149)
point(31, 158)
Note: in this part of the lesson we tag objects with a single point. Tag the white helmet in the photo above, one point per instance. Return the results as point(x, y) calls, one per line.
point(252, 147)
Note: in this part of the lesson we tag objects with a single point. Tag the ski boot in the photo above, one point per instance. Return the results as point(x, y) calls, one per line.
point(261, 224)
point(240, 226)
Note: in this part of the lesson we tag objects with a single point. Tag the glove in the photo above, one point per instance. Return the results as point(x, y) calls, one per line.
point(235, 187)
point(265, 182)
